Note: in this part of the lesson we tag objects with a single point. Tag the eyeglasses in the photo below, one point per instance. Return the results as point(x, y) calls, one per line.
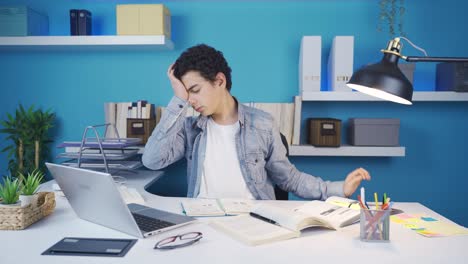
point(178, 241)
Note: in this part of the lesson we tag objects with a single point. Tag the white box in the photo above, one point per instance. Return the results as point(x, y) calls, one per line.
point(340, 63)
point(310, 60)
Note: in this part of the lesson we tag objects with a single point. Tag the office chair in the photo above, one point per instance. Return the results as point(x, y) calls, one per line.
point(281, 194)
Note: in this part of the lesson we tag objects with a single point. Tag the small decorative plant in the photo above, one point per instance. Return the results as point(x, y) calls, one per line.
point(28, 132)
point(31, 182)
point(392, 13)
point(10, 190)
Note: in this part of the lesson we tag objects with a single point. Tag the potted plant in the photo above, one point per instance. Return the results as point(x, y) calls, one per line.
point(28, 132)
point(10, 192)
point(29, 186)
point(391, 17)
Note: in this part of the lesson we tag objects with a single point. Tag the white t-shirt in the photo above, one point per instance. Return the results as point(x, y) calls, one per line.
point(222, 176)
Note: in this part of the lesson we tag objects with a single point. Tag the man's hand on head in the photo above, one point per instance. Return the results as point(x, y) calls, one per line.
point(178, 87)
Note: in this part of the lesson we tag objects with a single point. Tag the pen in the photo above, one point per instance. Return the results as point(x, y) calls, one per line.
point(363, 195)
point(376, 201)
point(384, 198)
point(262, 218)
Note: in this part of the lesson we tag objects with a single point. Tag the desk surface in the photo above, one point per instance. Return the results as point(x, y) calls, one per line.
point(315, 245)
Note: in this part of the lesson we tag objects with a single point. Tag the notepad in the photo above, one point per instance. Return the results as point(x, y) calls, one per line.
point(428, 226)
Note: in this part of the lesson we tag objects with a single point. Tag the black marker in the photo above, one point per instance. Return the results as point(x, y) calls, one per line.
point(262, 218)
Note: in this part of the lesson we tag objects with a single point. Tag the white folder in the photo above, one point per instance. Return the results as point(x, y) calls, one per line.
point(310, 60)
point(340, 63)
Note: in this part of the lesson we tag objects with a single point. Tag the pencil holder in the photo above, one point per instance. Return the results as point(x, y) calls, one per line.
point(375, 225)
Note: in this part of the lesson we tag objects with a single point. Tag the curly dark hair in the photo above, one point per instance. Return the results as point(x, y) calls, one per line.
point(205, 60)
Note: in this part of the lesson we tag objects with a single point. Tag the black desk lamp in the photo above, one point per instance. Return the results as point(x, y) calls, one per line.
point(385, 80)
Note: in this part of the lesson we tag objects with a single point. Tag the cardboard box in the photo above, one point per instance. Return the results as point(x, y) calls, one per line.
point(374, 131)
point(22, 21)
point(146, 19)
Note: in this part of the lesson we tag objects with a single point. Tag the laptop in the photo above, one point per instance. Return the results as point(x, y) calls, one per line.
point(95, 197)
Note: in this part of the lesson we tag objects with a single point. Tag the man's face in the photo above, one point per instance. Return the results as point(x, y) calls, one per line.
point(204, 96)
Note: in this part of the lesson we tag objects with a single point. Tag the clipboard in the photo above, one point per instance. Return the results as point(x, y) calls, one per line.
point(95, 247)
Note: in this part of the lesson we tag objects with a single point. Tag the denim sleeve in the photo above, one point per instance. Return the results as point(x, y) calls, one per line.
point(288, 178)
point(166, 144)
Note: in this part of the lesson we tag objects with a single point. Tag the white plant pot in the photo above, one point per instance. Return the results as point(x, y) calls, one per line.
point(27, 199)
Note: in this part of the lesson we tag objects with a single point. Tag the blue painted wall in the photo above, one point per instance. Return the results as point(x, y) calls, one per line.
point(261, 42)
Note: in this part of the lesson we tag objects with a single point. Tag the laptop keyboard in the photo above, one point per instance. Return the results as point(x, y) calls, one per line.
point(147, 224)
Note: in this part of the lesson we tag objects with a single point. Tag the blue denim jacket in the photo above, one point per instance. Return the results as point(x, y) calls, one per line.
point(262, 155)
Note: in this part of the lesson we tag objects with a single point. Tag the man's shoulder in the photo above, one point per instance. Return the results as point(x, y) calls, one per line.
point(258, 118)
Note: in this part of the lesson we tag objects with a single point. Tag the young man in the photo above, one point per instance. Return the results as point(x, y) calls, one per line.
point(233, 151)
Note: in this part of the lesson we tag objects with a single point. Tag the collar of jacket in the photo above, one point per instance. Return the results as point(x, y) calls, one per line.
point(201, 120)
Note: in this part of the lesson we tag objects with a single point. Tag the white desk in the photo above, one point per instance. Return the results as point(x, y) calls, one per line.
point(314, 246)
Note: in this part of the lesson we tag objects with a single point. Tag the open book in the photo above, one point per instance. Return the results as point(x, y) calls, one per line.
point(216, 207)
point(268, 223)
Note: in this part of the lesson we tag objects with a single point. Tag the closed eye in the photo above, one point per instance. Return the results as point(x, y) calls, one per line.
point(194, 88)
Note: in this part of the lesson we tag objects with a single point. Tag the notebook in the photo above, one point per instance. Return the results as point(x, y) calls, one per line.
point(95, 197)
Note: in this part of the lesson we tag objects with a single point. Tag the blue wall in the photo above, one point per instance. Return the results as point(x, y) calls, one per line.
point(261, 41)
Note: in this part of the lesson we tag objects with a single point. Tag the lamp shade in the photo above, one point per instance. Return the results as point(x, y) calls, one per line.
point(383, 80)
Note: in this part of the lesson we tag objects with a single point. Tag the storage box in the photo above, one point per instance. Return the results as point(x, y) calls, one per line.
point(140, 128)
point(374, 131)
point(324, 132)
point(147, 19)
point(452, 76)
point(22, 21)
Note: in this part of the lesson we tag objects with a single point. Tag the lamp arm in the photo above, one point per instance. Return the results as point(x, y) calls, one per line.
point(433, 59)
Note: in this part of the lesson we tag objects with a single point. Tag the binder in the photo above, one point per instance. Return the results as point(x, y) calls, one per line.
point(74, 22)
point(84, 23)
point(340, 63)
point(310, 60)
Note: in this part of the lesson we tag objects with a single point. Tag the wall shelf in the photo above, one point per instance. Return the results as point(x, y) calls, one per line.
point(360, 97)
point(159, 42)
point(308, 150)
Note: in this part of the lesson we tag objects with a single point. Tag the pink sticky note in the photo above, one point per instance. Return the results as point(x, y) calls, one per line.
point(405, 216)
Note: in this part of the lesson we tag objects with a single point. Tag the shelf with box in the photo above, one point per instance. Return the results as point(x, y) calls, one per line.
point(336, 96)
point(367, 137)
point(429, 96)
point(22, 28)
point(360, 149)
point(151, 43)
